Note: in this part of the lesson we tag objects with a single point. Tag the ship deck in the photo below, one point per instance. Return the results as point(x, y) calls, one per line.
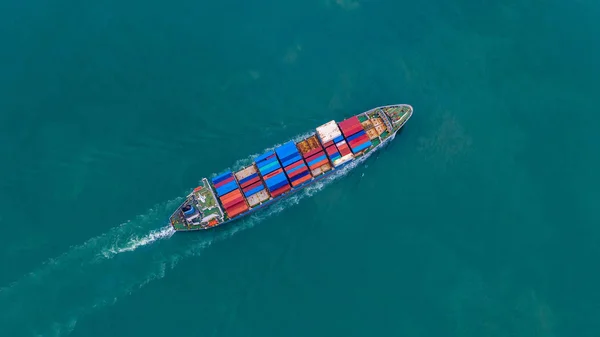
point(379, 124)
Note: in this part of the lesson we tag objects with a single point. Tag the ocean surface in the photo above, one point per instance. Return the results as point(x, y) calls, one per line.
point(480, 219)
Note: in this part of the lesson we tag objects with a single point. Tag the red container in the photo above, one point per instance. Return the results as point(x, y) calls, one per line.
point(274, 173)
point(221, 183)
point(301, 180)
point(255, 185)
point(353, 130)
point(295, 173)
point(311, 152)
point(233, 194)
point(280, 190)
point(329, 143)
point(348, 123)
point(250, 182)
point(331, 150)
point(296, 164)
point(234, 201)
point(236, 210)
point(319, 164)
point(317, 155)
point(341, 146)
point(356, 142)
point(344, 151)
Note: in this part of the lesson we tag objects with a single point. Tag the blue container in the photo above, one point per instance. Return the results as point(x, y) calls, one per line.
point(286, 149)
point(303, 174)
point(335, 156)
point(338, 139)
point(288, 157)
point(356, 135)
point(283, 155)
point(361, 147)
point(230, 186)
point(221, 177)
point(254, 191)
point(266, 162)
point(316, 160)
point(296, 168)
point(248, 178)
point(291, 160)
point(276, 186)
point(263, 156)
point(269, 168)
point(276, 179)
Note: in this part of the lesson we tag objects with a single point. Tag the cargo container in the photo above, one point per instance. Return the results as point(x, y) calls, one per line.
point(358, 141)
point(350, 126)
point(316, 160)
point(272, 174)
point(269, 166)
point(310, 147)
point(286, 149)
point(328, 132)
point(267, 163)
point(361, 147)
point(309, 144)
point(258, 198)
point(313, 151)
point(343, 148)
point(224, 183)
point(236, 210)
point(299, 170)
point(356, 135)
point(287, 169)
point(301, 180)
point(341, 160)
point(293, 164)
point(252, 185)
point(280, 178)
point(234, 200)
point(280, 191)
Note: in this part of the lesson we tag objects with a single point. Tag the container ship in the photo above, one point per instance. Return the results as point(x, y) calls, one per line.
point(288, 168)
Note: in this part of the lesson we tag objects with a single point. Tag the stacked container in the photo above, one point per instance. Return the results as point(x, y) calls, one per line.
point(229, 194)
point(355, 134)
point(272, 174)
point(252, 186)
point(292, 163)
point(333, 141)
point(311, 148)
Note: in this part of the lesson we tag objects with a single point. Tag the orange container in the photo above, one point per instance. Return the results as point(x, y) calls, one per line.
point(231, 195)
point(297, 172)
point(233, 201)
point(302, 180)
point(280, 190)
point(236, 210)
point(322, 162)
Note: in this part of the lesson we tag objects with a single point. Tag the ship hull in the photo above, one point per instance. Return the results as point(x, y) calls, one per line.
point(266, 204)
point(293, 191)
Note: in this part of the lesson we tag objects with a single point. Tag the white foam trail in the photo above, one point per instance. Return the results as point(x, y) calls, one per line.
point(136, 242)
point(90, 265)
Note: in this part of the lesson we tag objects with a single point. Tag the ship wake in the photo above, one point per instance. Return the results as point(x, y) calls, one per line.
point(113, 265)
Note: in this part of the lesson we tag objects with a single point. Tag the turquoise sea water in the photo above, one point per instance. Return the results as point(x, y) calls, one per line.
point(481, 219)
